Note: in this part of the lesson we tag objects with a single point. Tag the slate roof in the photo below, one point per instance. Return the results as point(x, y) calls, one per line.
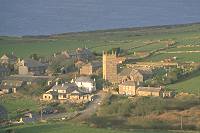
point(125, 72)
point(4, 69)
point(9, 56)
point(33, 63)
point(69, 87)
point(83, 79)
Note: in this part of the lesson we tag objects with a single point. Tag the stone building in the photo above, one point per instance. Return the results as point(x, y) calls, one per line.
point(4, 71)
point(90, 68)
point(10, 86)
point(31, 67)
point(136, 75)
point(110, 66)
point(8, 59)
point(149, 91)
point(128, 88)
point(66, 92)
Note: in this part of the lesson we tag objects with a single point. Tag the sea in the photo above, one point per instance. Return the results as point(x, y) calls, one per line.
point(45, 17)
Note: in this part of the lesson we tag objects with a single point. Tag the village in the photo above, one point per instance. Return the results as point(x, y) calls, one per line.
point(80, 77)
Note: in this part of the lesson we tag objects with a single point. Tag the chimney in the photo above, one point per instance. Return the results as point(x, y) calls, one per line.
point(56, 83)
point(63, 85)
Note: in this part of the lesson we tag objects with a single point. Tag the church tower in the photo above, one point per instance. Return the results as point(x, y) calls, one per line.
point(110, 63)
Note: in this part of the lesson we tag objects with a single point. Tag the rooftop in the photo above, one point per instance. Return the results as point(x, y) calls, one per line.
point(150, 89)
point(33, 63)
point(83, 79)
point(129, 83)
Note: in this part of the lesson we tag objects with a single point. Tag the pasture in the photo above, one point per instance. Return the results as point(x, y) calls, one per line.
point(54, 127)
point(98, 41)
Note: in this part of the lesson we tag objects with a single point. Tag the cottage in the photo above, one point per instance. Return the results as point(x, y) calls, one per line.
point(128, 88)
point(150, 91)
point(90, 68)
point(10, 86)
point(31, 67)
point(64, 92)
point(86, 84)
point(8, 59)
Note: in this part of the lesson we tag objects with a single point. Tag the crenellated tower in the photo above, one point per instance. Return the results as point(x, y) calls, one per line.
point(110, 63)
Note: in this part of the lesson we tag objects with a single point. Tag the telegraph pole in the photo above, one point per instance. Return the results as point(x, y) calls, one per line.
point(181, 122)
point(41, 113)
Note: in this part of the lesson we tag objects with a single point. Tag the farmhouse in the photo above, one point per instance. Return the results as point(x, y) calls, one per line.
point(127, 88)
point(31, 67)
point(64, 92)
point(149, 91)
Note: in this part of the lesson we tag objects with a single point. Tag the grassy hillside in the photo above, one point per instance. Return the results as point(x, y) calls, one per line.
point(16, 104)
point(191, 85)
point(70, 128)
point(102, 40)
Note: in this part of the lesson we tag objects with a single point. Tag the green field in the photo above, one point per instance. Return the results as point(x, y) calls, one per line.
point(71, 128)
point(188, 86)
point(181, 57)
point(101, 40)
point(16, 104)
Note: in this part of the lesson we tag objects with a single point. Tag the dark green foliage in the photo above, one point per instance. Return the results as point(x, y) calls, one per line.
point(59, 63)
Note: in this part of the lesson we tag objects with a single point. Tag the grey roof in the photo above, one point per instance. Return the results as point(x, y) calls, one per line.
point(69, 87)
point(125, 72)
point(13, 83)
point(96, 64)
point(10, 56)
point(33, 63)
point(4, 69)
point(83, 79)
point(150, 89)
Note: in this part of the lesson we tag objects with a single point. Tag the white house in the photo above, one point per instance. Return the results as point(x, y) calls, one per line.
point(86, 84)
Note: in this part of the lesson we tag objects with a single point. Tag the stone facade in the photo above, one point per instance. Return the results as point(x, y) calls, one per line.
point(86, 69)
point(128, 88)
point(110, 69)
point(31, 67)
point(149, 91)
point(130, 74)
point(90, 68)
